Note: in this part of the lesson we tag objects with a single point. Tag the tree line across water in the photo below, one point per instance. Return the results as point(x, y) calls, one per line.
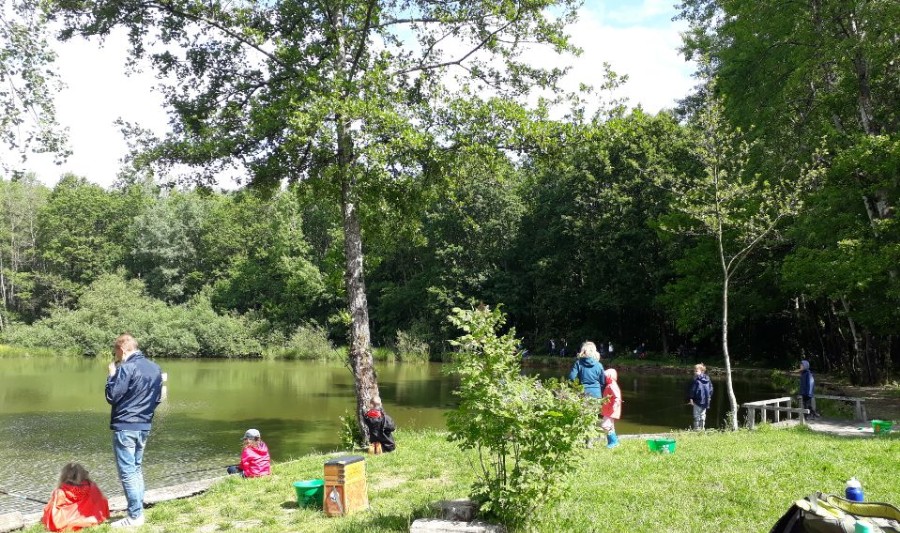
point(760, 214)
point(574, 245)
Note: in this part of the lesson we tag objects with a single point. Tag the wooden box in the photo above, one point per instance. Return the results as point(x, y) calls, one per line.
point(345, 485)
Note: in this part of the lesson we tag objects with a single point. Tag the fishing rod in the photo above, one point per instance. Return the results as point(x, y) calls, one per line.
point(23, 497)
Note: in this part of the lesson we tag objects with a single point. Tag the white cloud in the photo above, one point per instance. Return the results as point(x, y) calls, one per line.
point(637, 39)
point(97, 93)
point(658, 75)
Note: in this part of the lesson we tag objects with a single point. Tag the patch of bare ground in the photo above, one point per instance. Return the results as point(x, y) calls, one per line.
point(388, 483)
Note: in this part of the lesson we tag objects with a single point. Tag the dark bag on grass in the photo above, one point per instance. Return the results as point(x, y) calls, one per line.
point(827, 513)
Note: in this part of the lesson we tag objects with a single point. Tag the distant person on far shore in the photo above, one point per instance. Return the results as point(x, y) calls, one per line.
point(641, 351)
point(807, 388)
point(700, 396)
point(76, 503)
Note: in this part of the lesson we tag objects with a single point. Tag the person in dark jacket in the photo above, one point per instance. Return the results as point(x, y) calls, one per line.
point(807, 386)
point(700, 396)
point(134, 390)
point(381, 428)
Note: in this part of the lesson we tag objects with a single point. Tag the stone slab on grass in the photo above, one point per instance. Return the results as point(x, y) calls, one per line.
point(16, 520)
point(462, 510)
point(436, 525)
point(164, 494)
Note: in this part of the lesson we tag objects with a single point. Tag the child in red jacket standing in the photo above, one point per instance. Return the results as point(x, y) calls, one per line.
point(612, 407)
point(77, 502)
point(255, 461)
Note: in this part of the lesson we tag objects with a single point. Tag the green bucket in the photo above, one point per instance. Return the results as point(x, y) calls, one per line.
point(661, 445)
point(882, 427)
point(310, 493)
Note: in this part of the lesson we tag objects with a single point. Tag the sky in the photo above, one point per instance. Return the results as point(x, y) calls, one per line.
point(636, 37)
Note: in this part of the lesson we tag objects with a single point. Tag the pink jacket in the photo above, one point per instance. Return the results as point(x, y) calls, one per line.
point(255, 461)
point(612, 408)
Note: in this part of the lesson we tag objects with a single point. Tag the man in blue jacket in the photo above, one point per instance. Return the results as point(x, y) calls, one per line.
point(134, 390)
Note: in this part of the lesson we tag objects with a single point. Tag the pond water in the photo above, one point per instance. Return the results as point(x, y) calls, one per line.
point(53, 411)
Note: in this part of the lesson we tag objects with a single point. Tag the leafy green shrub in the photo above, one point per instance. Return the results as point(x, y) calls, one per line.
point(310, 341)
point(113, 305)
point(527, 434)
point(784, 382)
point(351, 437)
point(412, 348)
point(384, 355)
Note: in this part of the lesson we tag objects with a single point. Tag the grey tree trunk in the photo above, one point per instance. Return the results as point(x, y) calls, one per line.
point(729, 385)
point(360, 356)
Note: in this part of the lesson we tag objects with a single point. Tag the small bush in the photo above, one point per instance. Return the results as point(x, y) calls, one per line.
point(384, 355)
point(351, 437)
point(527, 434)
point(411, 348)
point(310, 341)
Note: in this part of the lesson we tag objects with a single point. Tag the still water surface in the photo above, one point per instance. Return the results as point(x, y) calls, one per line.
point(53, 411)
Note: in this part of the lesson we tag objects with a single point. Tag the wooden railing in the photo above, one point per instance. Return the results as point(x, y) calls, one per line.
point(783, 405)
point(776, 406)
point(859, 404)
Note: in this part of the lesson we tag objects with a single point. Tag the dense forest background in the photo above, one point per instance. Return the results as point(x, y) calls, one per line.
point(576, 226)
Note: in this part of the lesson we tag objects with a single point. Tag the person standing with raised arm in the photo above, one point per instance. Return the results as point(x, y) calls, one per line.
point(134, 390)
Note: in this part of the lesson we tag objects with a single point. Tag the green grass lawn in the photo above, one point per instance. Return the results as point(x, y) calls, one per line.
point(736, 481)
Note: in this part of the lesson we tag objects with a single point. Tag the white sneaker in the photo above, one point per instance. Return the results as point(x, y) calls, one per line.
point(129, 522)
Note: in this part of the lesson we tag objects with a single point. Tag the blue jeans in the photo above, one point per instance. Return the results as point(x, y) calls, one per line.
point(128, 446)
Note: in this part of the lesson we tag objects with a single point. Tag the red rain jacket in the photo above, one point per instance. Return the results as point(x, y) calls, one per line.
point(72, 507)
point(255, 461)
point(613, 407)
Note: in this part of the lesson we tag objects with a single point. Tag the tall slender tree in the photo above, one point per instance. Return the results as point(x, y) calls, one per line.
point(735, 208)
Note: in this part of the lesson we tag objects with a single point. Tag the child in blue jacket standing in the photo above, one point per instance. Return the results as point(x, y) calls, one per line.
point(807, 385)
point(701, 394)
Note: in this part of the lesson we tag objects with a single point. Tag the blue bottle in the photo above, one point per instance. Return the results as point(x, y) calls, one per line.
point(854, 491)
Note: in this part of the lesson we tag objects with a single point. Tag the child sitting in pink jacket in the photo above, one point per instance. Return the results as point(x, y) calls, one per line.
point(254, 457)
point(612, 408)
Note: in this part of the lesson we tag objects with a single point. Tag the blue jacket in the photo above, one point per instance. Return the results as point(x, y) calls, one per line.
point(589, 373)
point(807, 381)
point(134, 391)
point(701, 391)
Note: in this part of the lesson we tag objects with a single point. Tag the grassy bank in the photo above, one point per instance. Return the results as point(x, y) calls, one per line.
point(19, 351)
point(742, 481)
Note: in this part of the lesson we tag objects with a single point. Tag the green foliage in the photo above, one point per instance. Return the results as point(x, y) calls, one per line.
point(81, 232)
point(351, 436)
point(309, 341)
point(27, 111)
point(411, 348)
point(526, 433)
point(113, 305)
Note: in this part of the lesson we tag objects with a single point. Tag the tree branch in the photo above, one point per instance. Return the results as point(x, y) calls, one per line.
point(463, 58)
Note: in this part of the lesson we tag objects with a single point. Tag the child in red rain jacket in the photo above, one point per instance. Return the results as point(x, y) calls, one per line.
point(77, 502)
point(255, 460)
point(612, 408)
